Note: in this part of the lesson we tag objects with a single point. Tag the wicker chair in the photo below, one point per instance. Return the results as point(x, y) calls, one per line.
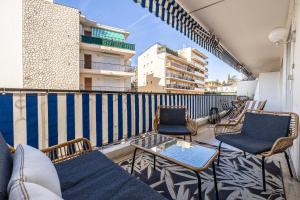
point(280, 145)
point(249, 105)
point(188, 122)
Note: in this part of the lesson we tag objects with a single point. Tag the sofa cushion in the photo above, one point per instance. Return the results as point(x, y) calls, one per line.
point(173, 130)
point(172, 116)
point(23, 190)
point(246, 143)
point(93, 176)
point(6, 165)
point(31, 165)
point(265, 126)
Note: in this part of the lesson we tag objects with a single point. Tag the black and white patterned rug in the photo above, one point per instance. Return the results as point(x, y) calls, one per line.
point(238, 178)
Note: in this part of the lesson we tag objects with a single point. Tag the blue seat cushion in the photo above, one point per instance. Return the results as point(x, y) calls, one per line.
point(173, 129)
point(265, 126)
point(172, 116)
point(6, 164)
point(246, 143)
point(93, 176)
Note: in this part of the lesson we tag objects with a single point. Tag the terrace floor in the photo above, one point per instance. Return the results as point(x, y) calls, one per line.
point(206, 135)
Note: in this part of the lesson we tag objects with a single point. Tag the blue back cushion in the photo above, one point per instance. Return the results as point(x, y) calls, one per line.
point(265, 126)
point(6, 165)
point(172, 116)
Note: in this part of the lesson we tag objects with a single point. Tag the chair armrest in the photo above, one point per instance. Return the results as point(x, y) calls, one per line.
point(279, 146)
point(228, 128)
point(11, 149)
point(68, 150)
point(192, 126)
point(155, 123)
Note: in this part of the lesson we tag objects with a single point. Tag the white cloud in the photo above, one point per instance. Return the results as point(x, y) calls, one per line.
point(138, 21)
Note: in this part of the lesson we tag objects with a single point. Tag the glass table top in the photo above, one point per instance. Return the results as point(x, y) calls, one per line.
point(193, 155)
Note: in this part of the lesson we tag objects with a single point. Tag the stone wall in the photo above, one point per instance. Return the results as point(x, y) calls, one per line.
point(50, 45)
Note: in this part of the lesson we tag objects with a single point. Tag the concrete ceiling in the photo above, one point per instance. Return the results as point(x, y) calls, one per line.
point(243, 27)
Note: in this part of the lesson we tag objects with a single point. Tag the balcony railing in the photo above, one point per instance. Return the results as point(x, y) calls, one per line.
point(179, 77)
point(105, 88)
point(167, 50)
point(105, 66)
point(107, 42)
point(179, 86)
point(54, 117)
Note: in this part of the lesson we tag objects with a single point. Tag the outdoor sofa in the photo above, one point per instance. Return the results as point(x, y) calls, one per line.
point(82, 174)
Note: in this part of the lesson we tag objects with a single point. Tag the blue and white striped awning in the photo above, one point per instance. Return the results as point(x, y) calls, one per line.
point(173, 14)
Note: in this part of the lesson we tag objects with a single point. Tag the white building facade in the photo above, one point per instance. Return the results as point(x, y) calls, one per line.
point(161, 69)
point(52, 46)
point(104, 57)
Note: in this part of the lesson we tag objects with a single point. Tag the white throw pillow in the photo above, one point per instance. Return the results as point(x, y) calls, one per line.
point(33, 166)
point(30, 191)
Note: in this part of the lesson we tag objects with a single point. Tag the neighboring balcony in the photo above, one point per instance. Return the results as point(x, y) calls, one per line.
point(105, 88)
point(107, 46)
point(200, 74)
point(185, 89)
point(180, 78)
point(199, 81)
point(184, 69)
point(105, 69)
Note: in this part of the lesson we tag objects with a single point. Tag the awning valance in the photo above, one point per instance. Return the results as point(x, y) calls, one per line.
point(173, 14)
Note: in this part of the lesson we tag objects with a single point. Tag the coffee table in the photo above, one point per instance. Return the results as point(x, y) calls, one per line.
point(194, 157)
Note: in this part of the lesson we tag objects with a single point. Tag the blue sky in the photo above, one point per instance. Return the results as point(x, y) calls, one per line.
point(145, 29)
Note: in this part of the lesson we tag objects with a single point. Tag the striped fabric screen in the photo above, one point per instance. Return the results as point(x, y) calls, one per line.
point(173, 14)
point(43, 120)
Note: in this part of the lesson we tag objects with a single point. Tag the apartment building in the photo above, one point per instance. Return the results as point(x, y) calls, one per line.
point(104, 57)
point(161, 69)
point(54, 47)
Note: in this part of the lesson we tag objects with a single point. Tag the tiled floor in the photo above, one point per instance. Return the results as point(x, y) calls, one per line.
point(206, 135)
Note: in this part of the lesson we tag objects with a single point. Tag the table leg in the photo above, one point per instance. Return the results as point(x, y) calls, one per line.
point(215, 180)
point(199, 185)
point(133, 159)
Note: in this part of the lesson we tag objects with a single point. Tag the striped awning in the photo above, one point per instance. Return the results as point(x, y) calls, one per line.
point(174, 15)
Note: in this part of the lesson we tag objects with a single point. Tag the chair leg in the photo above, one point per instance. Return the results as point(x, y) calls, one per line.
point(219, 153)
point(183, 137)
point(263, 172)
point(288, 163)
point(154, 162)
point(133, 159)
point(190, 137)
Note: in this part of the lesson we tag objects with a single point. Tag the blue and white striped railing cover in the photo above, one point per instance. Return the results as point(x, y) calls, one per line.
point(46, 119)
point(173, 14)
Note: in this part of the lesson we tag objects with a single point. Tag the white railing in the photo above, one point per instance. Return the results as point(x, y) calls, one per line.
point(105, 88)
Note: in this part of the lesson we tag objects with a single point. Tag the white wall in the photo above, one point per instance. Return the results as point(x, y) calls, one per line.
point(270, 90)
point(295, 89)
point(11, 63)
point(246, 88)
point(151, 63)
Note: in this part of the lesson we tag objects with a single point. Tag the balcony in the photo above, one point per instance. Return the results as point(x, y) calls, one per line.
point(165, 49)
point(180, 78)
point(107, 42)
point(105, 88)
point(105, 68)
point(180, 87)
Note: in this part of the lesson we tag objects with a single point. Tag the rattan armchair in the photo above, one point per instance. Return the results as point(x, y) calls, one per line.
point(192, 126)
point(65, 151)
point(279, 146)
point(68, 150)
